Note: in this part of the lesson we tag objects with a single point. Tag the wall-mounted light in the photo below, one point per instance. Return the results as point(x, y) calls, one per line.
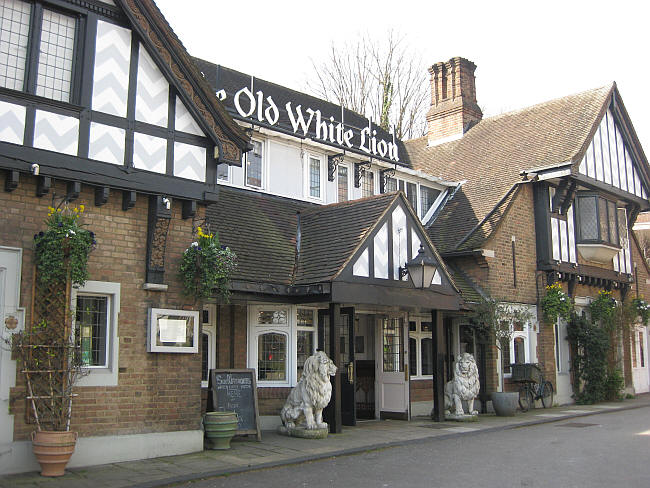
point(167, 203)
point(420, 269)
point(36, 169)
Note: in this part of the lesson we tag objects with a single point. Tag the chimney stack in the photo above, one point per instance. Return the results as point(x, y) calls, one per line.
point(453, 100)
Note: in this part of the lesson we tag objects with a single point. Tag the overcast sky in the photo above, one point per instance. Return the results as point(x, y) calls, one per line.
point(525, 51)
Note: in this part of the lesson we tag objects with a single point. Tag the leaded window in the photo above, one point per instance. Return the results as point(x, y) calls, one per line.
point(314, 177)
point(368, 184)
point(254, 165)
point(343, 183)
point(427, 197)
point(91, 326)
point(272, 357)
point(597, 220)
point(52, 49)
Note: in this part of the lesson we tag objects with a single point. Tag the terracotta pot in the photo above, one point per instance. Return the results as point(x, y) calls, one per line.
point(220, 428)
point(53, 450)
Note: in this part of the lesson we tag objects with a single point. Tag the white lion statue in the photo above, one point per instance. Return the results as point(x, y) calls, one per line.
point(465, 386)
point(312, 393)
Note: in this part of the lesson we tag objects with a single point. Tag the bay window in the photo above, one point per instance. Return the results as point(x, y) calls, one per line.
point(597, 227)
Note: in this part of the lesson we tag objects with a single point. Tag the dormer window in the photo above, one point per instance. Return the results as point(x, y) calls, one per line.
point(597, 222)
point(43, 65)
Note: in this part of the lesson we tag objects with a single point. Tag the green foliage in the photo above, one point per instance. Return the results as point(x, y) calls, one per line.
point(206, 267)
point(603, 308)
point(497, 319)
point(556, 304)
point(591, 343)
point(64, 247)
point(642, 309)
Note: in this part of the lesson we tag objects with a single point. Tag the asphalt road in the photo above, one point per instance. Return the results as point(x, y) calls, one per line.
point(605, 450)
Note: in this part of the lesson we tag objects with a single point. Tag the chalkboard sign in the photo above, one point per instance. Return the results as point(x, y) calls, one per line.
point(234, 390)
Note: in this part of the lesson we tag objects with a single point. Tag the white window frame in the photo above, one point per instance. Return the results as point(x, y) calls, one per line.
point(102, 375)
point(418, 335)
point(323, 177)
point(209, 328)
point(290, 330)
point(525, 334)
point(263, 171)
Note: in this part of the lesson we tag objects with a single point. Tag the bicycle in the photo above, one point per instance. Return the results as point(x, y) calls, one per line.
point(534, 386)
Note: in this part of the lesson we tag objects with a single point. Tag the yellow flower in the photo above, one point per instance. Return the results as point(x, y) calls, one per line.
point(82, 207)
point(51, 209)
point(59, 210)
point(76, 210)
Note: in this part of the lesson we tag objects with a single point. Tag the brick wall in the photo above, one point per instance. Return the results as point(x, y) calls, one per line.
point(156, 392)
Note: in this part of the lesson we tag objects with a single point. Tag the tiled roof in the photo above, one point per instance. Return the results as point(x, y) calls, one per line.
point(331, 233)
point(261, 229)
point(491, 155)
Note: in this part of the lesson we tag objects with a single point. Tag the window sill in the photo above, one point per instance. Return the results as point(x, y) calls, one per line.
point(599, 253)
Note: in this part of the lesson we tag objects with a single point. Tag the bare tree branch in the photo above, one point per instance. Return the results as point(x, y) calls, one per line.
point(380, 80)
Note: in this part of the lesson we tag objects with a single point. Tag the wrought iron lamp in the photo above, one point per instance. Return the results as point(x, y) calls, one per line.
point(420, 269)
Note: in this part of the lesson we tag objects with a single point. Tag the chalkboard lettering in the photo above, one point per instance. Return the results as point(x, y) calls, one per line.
point(234, 390)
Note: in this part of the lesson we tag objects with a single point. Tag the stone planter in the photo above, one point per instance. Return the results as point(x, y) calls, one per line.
point(220, 428)
point(505, 403)
point(53, 450)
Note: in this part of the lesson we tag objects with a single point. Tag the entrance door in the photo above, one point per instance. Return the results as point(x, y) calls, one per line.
point(640, 360)
point(392, 392)
point(10, 318)
point(345, 334)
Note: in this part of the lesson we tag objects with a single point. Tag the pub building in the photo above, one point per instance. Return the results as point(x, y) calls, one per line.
point(348, 239)
point(324, 236)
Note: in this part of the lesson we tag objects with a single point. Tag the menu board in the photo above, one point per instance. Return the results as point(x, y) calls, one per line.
point(235, 390)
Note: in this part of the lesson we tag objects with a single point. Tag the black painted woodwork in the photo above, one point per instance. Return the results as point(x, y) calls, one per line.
point(542, 223)
point(128, 199)
point(101, 195)
point(73, 189)
point(12, 178)
point(438, 356)
point(189, 209)
point(43, 185)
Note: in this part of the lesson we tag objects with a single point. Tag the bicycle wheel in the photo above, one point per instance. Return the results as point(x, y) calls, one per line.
point(547, 394)
point(525, 398)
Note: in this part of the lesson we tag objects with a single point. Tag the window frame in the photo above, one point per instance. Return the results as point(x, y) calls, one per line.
point(418, 335)
point(102, 375)
point(228, 178)
point(364, 183)
point(209, 328)
point(290, 330)
point(33, 51)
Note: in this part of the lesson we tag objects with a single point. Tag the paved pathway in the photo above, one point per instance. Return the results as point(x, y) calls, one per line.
point(275, 450)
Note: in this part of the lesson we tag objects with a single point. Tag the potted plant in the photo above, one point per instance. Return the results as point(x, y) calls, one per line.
point(47, 352)
point(496, 321)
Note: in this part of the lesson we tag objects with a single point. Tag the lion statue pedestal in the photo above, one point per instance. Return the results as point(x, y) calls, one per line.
point(302, 414)
point(463, 388)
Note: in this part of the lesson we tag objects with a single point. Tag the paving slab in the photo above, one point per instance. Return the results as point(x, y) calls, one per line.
point(275, 449)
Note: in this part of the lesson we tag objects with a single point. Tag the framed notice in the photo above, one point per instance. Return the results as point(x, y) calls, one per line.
point(173, 331)
point(234, 390)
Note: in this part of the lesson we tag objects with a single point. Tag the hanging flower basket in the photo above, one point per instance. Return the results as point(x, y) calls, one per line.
point(206, 267)
point(642, 309)
point(556, 304)
point(63, 248)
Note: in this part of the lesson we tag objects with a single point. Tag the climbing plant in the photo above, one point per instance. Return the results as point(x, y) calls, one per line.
point(594, 339)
